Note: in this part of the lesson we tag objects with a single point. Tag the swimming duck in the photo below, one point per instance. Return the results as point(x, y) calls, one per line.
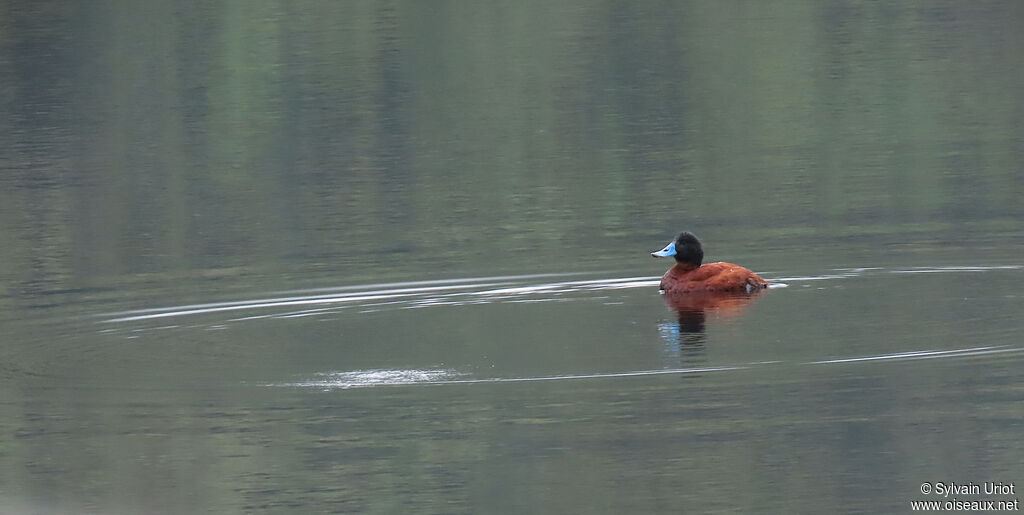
point(688, 275)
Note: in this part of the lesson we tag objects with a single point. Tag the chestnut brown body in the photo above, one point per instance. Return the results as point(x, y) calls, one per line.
point(712, 277)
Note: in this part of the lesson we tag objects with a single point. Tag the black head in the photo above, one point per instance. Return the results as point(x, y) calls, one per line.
point(688, 249)
point(685, 248)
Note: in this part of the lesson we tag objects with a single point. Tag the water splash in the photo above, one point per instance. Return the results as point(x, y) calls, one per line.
point(372, 378)
point(369, 378)
point(377, 378)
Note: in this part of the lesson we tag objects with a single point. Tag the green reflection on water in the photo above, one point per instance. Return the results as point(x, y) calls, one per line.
point(351, 137)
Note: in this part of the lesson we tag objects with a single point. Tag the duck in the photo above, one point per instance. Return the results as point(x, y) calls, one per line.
point(690, 276)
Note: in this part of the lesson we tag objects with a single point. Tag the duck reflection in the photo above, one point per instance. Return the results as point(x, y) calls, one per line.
point(685, 338)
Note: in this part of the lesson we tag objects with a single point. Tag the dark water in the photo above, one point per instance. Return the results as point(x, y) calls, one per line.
point(393, 257)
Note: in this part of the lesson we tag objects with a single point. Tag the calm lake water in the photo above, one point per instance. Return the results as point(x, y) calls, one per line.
point(352, 257)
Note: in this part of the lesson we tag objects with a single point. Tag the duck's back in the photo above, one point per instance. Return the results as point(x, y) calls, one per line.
point(711, 277)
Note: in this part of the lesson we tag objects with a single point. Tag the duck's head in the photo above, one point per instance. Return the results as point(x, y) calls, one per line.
point(685, 248)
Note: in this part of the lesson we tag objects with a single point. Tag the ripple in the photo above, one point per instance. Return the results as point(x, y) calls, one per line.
point(459, 292)
point(453, 292)
point(925, 354)
point(948, 269)
point(376, 378)
point(371, 378)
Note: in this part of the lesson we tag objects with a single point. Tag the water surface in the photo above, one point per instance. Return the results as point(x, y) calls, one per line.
point(391, 258)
